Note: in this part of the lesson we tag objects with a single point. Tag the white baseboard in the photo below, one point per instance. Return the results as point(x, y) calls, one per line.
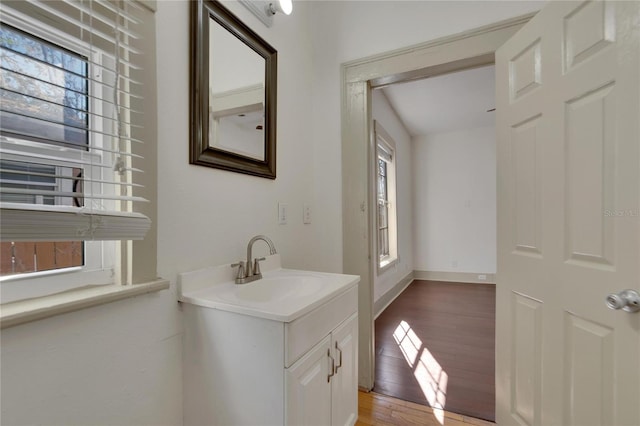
point(458, 277)
point(395, 291)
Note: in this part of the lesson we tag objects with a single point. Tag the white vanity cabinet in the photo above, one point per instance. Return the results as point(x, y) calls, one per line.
point(244, 368)
point(320, 386)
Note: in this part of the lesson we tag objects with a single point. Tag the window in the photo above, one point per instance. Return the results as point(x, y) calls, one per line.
point(44, 90)
point(45, 81)
point(383, 207)
point(70, 119)
point(386, 223)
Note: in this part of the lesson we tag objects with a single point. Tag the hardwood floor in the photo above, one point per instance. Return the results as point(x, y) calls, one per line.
point(382, 410)
point(435, 346)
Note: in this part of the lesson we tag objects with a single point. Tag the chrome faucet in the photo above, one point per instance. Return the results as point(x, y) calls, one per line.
point(250, 271)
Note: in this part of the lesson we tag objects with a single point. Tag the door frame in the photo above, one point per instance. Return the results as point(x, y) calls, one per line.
point(466, 50)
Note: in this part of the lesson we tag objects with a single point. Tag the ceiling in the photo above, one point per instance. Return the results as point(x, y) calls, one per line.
point(445, 103)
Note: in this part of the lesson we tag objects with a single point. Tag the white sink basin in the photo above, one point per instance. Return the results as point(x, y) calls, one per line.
point(275, 288)
point(282, 294)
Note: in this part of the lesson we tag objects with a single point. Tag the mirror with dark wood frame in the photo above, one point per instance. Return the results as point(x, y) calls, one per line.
point(233, 93)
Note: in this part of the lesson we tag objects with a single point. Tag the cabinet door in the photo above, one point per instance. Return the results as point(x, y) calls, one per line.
point(344, 384)
point(308, 390)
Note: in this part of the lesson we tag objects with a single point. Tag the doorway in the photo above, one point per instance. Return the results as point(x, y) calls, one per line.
point(434, 344)
point(461, 51)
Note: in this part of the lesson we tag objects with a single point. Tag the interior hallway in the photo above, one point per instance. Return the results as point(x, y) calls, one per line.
point(435, 345)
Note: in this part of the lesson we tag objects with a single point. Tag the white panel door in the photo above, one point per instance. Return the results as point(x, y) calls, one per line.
point(344, 384)
point(308, 387)
point(568, 129)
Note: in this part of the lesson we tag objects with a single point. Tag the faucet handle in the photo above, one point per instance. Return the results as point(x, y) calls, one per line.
point(256, 265)
point(240, 266)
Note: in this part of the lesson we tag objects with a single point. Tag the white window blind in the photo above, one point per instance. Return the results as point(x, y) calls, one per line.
point(70, 111)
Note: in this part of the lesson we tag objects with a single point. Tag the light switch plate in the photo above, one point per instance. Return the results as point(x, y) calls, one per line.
point(306, 214)
point(282, 214)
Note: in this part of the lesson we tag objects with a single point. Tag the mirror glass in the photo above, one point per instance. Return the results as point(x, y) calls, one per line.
point(233, 90)
point(236, 95)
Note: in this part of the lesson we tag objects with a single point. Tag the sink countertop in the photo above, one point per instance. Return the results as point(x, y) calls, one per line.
point(285, 294)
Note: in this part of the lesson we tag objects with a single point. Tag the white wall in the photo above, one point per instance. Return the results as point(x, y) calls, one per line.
point(455, 201)
point(115, 364)
point(209, 215)
point(386, 116)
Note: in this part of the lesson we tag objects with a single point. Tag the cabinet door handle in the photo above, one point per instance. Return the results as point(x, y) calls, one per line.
point(332, 370)
point(339, 357)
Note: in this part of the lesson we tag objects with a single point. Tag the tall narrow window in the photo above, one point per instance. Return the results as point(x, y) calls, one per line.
point(383, 206)
point(386, 223)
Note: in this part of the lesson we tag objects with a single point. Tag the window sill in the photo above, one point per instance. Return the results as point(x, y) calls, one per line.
point(386, 264)
point(24, 311)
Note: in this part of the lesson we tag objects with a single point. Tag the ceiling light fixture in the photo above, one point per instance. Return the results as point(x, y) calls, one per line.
point(282, 6)
point(265, 10)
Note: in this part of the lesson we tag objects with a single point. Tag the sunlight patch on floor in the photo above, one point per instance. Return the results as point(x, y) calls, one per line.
point(428, 372)
point(408, 342)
